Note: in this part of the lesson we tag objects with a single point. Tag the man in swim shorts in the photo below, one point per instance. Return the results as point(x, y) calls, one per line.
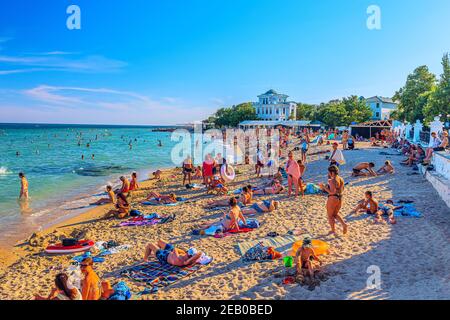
point(166, 253)
point(364, 169)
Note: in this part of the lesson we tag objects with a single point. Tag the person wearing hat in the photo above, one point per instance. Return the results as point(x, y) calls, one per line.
point(304, 258)
point(337, 157)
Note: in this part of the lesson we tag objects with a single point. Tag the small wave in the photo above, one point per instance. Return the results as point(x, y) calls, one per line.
point(4, 171)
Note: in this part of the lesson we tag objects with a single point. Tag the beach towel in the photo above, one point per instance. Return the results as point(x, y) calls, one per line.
point(139, 223)
point(408, 210)
point(294, 169)
point(232, 232)
point(281, 243)
point(180, 200)
point(155, 274)
point(312, 188)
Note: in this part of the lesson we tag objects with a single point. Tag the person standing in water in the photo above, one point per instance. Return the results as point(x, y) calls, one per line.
point(23, 187)
point(335, 188)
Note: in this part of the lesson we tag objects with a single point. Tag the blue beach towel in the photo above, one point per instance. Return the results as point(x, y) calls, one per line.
point(408, 210)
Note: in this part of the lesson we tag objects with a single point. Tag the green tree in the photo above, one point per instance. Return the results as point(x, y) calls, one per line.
point(306, 111)
point(414, 96)
point(357, 110)
point(438, 101)
point(231, 117)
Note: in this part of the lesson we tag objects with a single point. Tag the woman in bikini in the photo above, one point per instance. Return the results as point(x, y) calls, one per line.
point(157, 198)
point(276, 188)
point(244, 199)
point(262, 207)
point(293, 172)
point(335, 188)
point(133, 183)
point(188, 169)
point(122, 209)
point(230, 220)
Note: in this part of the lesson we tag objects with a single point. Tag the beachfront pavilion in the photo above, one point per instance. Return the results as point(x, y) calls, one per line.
point(267, 124)
point(370, 129)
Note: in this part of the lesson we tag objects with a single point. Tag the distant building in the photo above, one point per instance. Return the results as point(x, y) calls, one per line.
point(381, 107)
point(273, 106)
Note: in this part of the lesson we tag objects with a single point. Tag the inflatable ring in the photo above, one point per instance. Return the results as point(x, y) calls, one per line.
point(320, 247)
point(228, 175)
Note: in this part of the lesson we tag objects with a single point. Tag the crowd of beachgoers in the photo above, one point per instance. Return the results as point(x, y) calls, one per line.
point(245, 196)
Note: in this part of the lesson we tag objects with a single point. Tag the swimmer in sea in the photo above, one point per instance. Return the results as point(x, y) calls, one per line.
point(160, 143)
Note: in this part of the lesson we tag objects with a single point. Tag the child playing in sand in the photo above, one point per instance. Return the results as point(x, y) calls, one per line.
point(198, 173)
point(368, 205)
point(157, 175)
point(388, 168)
point(304, 258)
point(166, 253)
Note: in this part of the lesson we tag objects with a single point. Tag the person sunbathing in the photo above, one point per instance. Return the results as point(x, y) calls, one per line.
point(231, 220)
point(243, 199)
point(388, 209)
point(304, 258)
point(166, 253)
point(111, 198)
point(388, 168)
point(278, 177)
point(276, 188)
point(63, 290)
point(436, 144)
point(134, 183)
point(157, 198)
point(364, 169)
point(262, 207)
point(368, 205)
point(122, 209)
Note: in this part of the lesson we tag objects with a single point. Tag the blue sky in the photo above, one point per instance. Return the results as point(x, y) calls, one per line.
point(167, 62)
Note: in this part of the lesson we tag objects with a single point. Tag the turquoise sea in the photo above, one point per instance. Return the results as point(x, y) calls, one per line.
point(61, 183)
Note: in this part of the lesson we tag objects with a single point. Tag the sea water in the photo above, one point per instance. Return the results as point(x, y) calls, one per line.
point(61, 184)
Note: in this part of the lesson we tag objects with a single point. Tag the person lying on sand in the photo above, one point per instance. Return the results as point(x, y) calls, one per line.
point(63, 290)
point(157, 198)
point(368, 205)
point(167, 253)
point(386, 208)
point(244, 199)
point(388, 168)
point(111, 198)
point(364, 169)
point(276, 188)
point(264, 206)
point(122, 209)
point(304, 258)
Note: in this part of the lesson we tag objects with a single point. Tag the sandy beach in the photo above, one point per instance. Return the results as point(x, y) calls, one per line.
point(413, 255)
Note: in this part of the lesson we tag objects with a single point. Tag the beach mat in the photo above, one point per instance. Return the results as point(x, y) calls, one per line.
point(280, 243)
point(155, 274)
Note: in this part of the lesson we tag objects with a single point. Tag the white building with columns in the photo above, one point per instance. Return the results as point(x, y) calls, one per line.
point(273, 106)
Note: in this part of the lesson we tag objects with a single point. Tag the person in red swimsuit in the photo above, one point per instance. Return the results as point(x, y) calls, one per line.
point(208, 166)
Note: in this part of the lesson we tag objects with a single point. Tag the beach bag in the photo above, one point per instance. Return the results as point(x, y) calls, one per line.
point(69, 242)
point(121, 292)
point(257, 253)
point(135, 213)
